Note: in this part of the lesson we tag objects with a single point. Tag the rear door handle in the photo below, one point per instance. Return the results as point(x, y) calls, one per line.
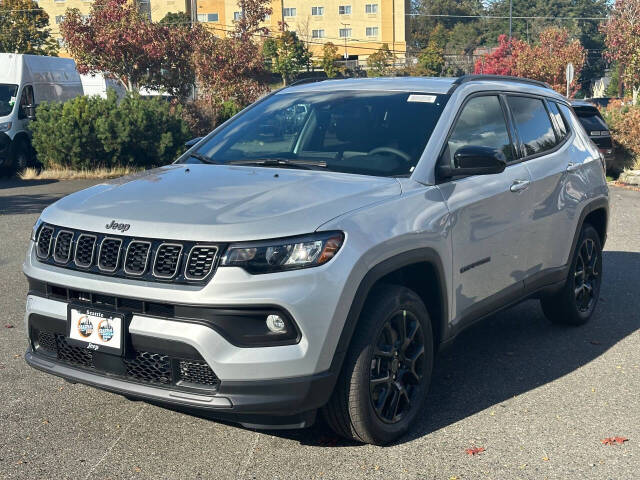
point(572, 167)
point(519, 185)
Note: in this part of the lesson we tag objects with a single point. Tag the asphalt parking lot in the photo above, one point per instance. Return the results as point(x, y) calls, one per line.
point(539, 398)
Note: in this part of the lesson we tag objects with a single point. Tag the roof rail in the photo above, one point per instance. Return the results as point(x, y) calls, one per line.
point(306, 80)
point(505, 78)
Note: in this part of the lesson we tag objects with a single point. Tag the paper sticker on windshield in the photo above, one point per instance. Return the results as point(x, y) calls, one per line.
point(422, 98)
point(12, 101)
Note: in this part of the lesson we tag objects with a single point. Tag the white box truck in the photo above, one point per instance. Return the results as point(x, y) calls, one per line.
point(98, 84)
point(25, 82)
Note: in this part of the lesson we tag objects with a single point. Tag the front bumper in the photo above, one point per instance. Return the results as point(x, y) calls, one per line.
point(289, 403)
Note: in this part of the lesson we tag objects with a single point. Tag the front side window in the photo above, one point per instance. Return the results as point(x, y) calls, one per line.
point(344, 9)
point(26, 99)
point(533, 124)
point(7, 98)
point(481, 123)
point(369, 133)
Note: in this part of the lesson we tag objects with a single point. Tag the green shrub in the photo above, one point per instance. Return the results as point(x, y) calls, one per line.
point(91, 132)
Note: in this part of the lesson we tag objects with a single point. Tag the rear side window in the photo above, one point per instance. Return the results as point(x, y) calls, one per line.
point(557, 117)
point(533, 124)
point(481, 123)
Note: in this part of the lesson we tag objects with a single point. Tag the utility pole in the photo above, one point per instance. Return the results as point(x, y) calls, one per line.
point(194, 12)
point(346, 55)
point(510, 18)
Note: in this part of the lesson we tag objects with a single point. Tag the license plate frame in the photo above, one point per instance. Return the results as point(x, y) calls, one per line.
point(96, 340)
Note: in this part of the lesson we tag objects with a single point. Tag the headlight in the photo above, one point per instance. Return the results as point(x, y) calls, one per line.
point(34, 230)
point(5, 126)
point(284, 254)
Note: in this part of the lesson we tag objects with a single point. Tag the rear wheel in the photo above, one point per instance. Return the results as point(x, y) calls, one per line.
point(576, 302)
point(387, 371)
point(21, 158)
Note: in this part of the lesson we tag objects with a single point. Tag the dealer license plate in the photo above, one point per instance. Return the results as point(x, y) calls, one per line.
point(95, 329)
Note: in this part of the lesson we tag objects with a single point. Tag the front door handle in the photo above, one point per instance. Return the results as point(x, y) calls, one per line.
point(572, 167)
point(519, 185)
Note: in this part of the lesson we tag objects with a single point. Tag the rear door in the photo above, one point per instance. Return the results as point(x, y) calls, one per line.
point(542, 135)
point(489, 214)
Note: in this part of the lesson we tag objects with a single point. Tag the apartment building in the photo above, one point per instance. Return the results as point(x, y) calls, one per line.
point(357, 27)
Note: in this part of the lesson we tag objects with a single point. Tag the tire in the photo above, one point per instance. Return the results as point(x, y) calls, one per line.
point(372, 357)
point(20, 158)
point(575, 303)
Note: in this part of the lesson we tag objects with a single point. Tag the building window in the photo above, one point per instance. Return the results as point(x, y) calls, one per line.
point(267, 17)
point(317, 11)
point(212, 17)
point(289, 12)
point(202, 17)
point(59, 19)
point(371, 8)
point(317, 33)
point(345, 32)
point(237, 16)
point(57, 1)
point(372, 31)
point(344, 9)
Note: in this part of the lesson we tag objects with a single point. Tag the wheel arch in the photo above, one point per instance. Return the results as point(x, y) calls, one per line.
point(420, 270)
point(596, 213)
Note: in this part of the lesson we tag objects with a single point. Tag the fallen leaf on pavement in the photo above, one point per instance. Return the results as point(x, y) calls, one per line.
point(474, 450)
point(614, 440)
point(8, 325)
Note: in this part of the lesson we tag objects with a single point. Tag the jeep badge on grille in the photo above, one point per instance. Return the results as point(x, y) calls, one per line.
point(123, 227)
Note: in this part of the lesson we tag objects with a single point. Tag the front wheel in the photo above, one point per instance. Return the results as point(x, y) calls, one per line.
point(387, 371)
point(576, 302)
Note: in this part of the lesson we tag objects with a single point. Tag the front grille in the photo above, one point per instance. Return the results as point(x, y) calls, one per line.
point(167, 260)
point(127, 257)
point(135, 263)
point(141, 366)
point(85, 250)
point(197, 372)
point(77, 356)
point(150, 368)
point(109, 255)
point(44, 241)
point(200, 262)
point(63, 246)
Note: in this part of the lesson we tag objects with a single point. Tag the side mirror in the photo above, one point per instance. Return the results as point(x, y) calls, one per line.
point(475, 160)
point(192, 142)
point(29, 111)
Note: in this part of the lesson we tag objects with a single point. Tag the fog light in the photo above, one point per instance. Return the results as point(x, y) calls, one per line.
point(276, 324)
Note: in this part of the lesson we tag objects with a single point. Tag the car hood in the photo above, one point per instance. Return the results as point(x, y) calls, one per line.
point(219, 203)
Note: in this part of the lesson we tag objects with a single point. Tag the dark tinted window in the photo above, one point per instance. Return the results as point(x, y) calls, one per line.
point(590, 119)
point(533, 124)
point(371, 133)
point(7, 98)
point(560, 123)
point(480, 123)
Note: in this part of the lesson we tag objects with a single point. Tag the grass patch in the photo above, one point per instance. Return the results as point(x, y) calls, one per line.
point(69, 174)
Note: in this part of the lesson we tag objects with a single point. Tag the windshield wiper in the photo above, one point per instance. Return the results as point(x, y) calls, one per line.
point(281, 162)
point(204, 158)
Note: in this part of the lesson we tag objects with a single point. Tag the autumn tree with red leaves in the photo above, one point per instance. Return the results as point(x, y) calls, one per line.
point(545, 61)
point(117, 38)
point(232, 68)
point(498, 62)
point(622, 37)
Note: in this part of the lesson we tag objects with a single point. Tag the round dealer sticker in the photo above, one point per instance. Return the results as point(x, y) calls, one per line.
point(105, 330)
point(85, 327)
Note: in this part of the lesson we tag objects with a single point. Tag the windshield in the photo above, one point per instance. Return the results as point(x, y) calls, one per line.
point(368, 133)
point(7, 98)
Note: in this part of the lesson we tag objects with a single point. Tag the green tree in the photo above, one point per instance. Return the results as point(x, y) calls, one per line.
point(380, 62)
point(286, 55)
point(24, 28)
point(177, 19)
point(431, 58)
point(329, 60)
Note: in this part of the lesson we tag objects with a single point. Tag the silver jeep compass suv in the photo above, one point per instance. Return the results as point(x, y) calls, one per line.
point(316, 251)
